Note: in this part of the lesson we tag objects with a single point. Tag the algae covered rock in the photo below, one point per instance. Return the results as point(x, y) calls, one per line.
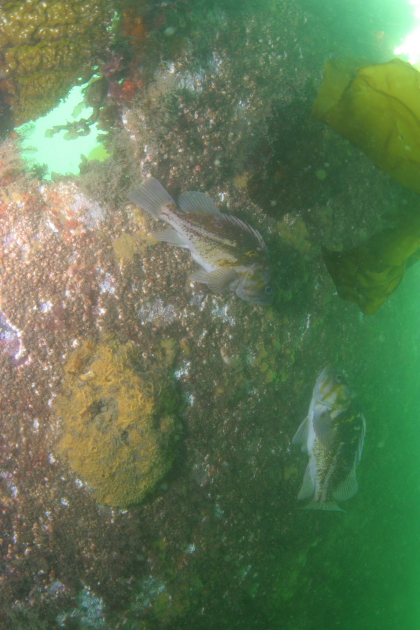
point(118, 427)
point(46, 46)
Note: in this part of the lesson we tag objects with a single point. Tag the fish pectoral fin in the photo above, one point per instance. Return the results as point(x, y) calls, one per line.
point(217, 280)
point(301, 435)
point(151, 196)
point(308, 488)
point(323, 426)
point(347, 488)
point(170, 236)
point(197, 202)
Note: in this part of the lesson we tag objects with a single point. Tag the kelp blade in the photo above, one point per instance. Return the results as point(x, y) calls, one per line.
point(370, 273)
point(377, 108)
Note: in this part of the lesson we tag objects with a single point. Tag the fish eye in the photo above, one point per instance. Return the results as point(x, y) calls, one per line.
point(268, 290)
point(339, 378)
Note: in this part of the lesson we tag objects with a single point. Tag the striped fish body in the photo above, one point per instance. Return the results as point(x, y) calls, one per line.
point(332, 434)
point(232, 254)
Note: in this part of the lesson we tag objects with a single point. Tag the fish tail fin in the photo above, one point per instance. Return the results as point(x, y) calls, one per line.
point(151, 196)
point(331, 506)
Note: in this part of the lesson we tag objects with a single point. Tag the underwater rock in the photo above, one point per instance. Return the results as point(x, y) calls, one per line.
point(117, 435)
point(370, 273)
point(376, 107)
point(11, 165)
point(287, 170)
point(6, 117)
point(293, 230)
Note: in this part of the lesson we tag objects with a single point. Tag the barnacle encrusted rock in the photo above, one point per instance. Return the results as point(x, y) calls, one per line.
point(44, 47)
point(118, 434)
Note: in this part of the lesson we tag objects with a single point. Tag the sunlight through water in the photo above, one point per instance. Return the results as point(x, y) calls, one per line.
point(57, 153)
point(410, 47)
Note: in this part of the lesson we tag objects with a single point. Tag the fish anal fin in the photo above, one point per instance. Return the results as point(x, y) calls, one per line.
point(170, 236)
point(197, 202)
point(200, 275)
point(307, 490)
point(347, 488)
point(218, 280)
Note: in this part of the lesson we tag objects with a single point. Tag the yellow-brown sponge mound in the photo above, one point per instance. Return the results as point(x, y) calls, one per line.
point(117, 435)
point(46, 46)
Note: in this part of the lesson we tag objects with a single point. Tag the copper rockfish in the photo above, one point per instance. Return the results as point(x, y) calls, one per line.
point(231, 253)
point(332, 434)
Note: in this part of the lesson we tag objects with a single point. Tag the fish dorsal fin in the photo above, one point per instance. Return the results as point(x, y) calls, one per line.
point(347, 488)
point(151, 196)
point(307, 490)
point(217, 280)
point(301, 435)
point(197, 202)
point(243, 225)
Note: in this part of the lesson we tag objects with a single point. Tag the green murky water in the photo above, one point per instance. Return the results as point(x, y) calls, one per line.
point(223, 102)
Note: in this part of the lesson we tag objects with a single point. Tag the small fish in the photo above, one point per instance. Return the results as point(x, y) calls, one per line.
point(332, 434)
point(232, 254)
